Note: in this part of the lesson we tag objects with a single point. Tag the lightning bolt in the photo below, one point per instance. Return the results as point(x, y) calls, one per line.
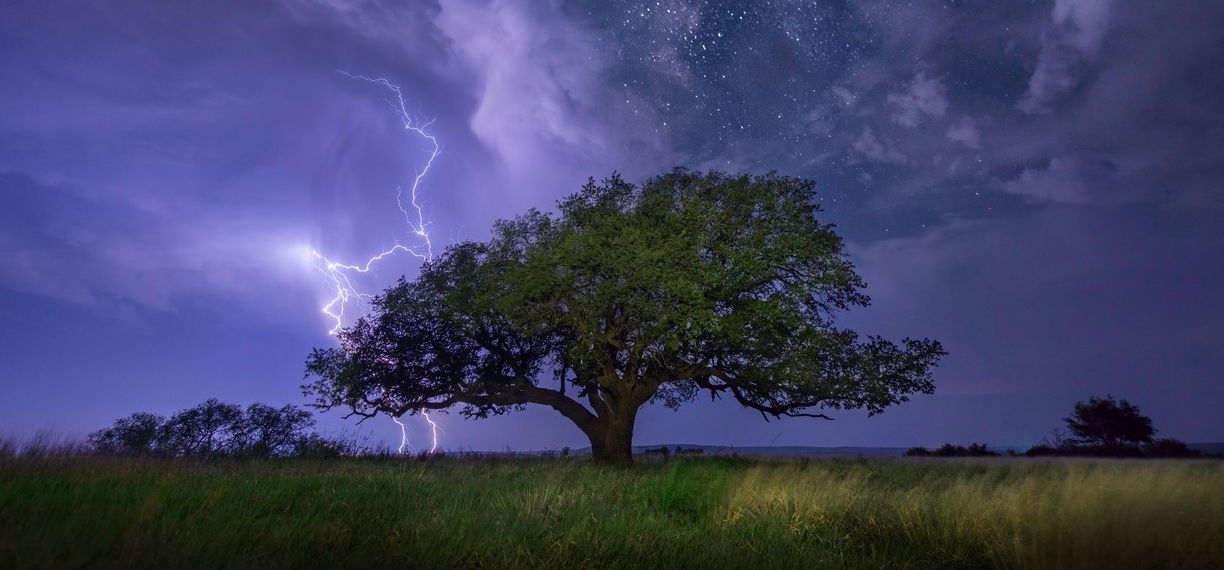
point(340, 275)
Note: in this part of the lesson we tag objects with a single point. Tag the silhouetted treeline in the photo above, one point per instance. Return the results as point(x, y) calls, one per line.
point(667, 452)
point(215, 428)
point(1155, 448)
point(950, 450)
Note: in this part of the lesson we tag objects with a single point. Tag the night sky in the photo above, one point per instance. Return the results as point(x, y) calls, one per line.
point(1038, 185)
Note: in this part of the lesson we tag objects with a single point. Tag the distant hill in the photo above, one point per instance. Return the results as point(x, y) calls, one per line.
point(1213, 448)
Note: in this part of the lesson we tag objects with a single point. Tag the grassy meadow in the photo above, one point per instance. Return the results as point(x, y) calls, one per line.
point(93, 512)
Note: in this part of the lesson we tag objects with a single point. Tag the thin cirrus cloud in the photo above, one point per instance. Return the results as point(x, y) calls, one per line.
point(924, 96)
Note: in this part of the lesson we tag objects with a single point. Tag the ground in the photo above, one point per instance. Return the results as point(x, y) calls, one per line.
point(564, 512)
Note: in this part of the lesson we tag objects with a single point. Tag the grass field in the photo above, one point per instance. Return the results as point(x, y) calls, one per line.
point(564, 512)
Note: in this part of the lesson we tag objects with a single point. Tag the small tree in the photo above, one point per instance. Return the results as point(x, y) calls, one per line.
point(1110, 423)
point(268, 431)
point(207, 429)
point(137, 434)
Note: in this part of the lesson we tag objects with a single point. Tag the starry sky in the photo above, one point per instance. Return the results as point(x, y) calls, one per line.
point(1037, 184)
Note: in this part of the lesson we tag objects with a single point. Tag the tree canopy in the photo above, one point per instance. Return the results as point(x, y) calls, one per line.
point(1109, 422)
point(689, 283)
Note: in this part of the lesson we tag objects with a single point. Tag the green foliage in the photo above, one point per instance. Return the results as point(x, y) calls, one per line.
point(566, 513)
point(692, 282)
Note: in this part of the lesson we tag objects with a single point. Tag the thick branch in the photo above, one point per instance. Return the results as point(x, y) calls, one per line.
point(519, 394)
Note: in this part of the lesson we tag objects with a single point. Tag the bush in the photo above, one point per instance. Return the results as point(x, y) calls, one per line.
point(1170, 448)
point(316, 446)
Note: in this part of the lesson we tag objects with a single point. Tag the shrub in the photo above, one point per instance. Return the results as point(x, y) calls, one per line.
point(951, 450)
point(1170, 448)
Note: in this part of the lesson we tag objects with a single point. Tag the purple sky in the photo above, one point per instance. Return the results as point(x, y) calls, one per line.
point(1036, 184)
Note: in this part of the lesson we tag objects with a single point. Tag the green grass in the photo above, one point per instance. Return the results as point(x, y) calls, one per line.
point(688, 513)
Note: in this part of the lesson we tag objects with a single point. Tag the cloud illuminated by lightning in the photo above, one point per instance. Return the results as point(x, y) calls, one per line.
point(340, 275)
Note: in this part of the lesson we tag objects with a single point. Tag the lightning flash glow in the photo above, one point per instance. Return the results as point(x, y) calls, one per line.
point(340, 275)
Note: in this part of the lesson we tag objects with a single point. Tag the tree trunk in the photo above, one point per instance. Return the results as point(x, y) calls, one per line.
point(612, 438)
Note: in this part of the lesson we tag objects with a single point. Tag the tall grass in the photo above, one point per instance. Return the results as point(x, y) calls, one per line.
point(41, 444)
point(690, 513)
point(998, 513)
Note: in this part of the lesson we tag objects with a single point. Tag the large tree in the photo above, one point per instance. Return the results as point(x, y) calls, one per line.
point(689, 283)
